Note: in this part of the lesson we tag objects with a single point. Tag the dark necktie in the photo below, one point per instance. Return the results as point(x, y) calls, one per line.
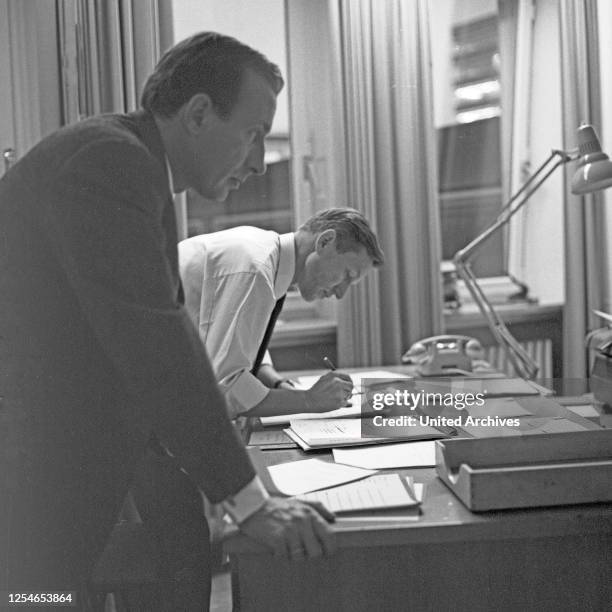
point(267, 335)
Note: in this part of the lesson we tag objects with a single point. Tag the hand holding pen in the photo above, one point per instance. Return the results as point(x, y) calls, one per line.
point(331, 391)
point(329, 364)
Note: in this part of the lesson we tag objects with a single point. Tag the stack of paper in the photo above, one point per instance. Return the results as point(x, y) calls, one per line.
point(389, 456)
point(297, 477)
point(380, 492)
point(328, 433)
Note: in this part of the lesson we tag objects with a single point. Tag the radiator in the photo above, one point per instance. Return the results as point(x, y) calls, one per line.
point(539, 350)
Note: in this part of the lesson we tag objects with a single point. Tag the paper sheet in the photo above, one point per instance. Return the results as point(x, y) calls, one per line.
point(559, 426)
point(270, 439)
point(388, 456)
point(490, 387)
point(305, 382)
point(527, 426)
point(501, 407)
point(284, 419)
point(584, 410)
point(375, 493)
point(298, 477)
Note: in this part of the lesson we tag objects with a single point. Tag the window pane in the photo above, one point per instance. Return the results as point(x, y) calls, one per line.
point(262, 201)
point(467, 96)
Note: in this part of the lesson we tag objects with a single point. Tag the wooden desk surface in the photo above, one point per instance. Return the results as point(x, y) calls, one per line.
point(444, 517)
point(448, 558)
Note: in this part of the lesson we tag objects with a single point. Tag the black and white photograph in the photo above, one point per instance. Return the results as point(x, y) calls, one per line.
point(306, 305)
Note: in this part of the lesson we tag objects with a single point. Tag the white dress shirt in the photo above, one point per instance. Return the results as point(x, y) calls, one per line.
point(253, 495)
point(231, 281)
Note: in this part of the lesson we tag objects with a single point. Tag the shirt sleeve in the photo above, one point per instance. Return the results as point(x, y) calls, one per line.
point(247, 501)
point(234, 313)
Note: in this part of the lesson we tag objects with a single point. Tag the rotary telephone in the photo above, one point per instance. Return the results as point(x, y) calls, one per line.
point(443, 355)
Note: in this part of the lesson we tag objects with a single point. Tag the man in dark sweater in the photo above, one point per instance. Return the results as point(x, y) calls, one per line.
point(98, 359)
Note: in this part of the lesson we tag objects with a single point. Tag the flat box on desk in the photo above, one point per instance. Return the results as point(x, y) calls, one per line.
point(528, 471)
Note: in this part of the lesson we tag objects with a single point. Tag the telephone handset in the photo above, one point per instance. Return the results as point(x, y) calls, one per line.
point(440, 355)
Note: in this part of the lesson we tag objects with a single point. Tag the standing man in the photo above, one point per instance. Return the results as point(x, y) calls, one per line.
point(98, 357)
point(232, 281)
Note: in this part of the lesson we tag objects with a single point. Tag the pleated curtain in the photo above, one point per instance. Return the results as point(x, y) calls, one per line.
point(391, 175)
point(587, 257)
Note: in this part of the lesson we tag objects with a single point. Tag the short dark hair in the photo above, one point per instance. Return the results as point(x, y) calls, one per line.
point(209, 63)
point(352, 231)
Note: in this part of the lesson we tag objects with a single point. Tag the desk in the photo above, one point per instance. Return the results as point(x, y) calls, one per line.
point(447, 559)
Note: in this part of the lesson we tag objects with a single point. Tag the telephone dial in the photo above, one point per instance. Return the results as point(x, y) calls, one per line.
point(443, 355)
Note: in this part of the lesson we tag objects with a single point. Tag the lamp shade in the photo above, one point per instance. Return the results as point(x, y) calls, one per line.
point(594, 167)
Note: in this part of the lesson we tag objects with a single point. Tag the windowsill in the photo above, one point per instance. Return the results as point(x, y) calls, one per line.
point(511, 312)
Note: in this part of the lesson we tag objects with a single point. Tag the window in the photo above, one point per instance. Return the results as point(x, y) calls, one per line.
point(263, 201)
point(467, 97)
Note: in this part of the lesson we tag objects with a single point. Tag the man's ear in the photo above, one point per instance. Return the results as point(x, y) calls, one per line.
point(196, 111)
point(326, 242)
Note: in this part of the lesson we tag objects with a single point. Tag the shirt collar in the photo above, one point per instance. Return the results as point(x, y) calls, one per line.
point(286, 264)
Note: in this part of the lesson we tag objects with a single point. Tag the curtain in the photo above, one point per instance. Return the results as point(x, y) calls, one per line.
point(108, 49)
point(586, 259)
point(391, 176)
point(516, 20)
point(604, 19)
point(508, 21)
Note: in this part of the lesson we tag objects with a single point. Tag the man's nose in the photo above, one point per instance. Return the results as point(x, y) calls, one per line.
point(256, 160)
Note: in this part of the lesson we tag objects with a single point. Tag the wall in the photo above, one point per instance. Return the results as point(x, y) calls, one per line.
point(604, 9)
point(258, 23)
point(543, 245)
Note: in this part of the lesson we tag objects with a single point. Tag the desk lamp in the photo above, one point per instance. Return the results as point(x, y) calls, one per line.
point(594, 173)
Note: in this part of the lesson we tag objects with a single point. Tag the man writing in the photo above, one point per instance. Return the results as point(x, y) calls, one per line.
point(232, 280)
point(99, 358)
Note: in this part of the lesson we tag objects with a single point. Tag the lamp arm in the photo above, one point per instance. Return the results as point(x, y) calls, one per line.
point(507, 212)
point(520, 359)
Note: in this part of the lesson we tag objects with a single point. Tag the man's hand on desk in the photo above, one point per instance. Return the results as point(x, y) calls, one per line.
point(292, 529)
point(330, 392)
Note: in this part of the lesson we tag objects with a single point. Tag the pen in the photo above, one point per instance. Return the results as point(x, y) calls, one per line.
point(328, 363)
